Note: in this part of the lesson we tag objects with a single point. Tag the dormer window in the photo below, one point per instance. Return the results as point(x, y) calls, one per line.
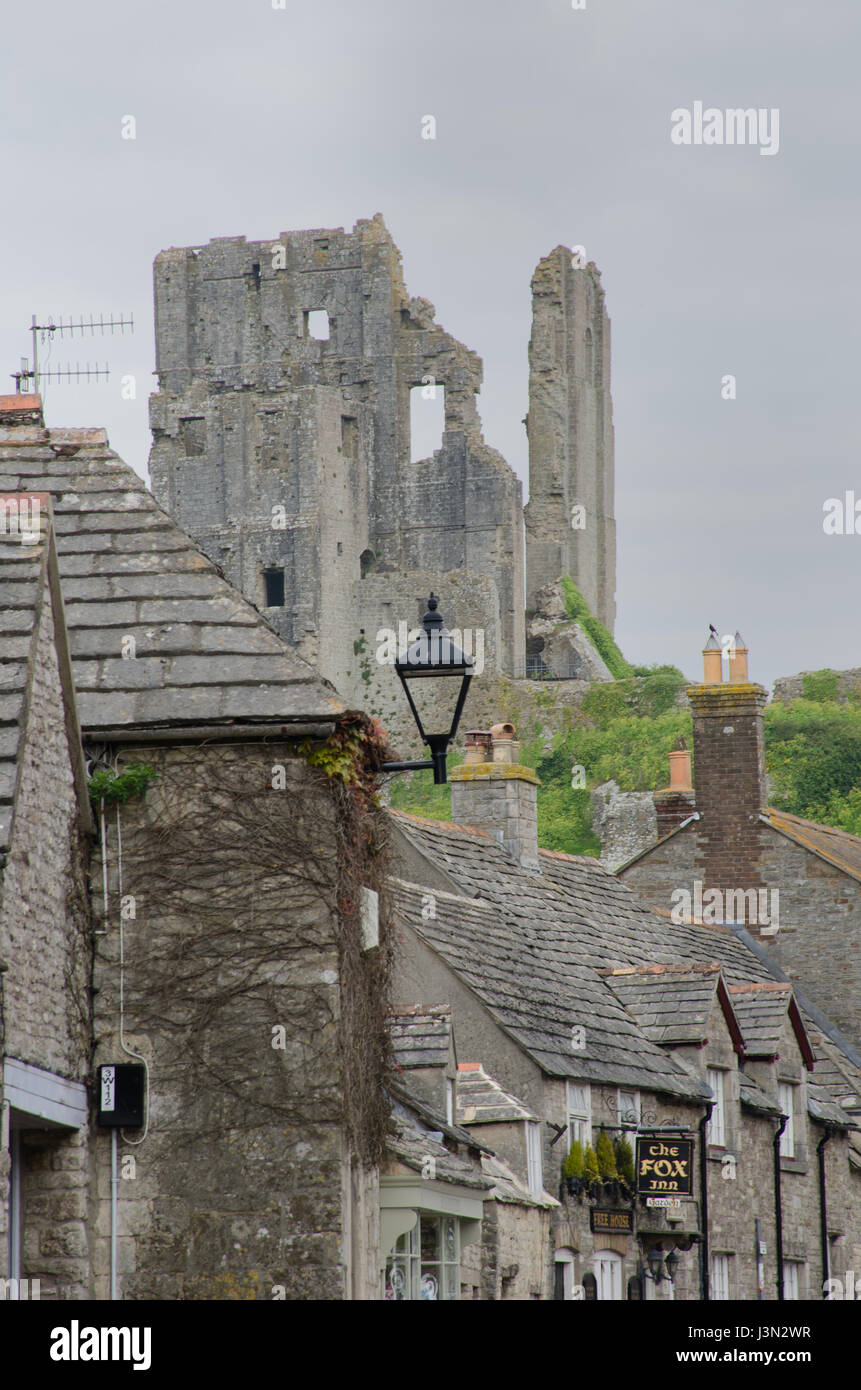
point(716, 1129)
point(786, 1098)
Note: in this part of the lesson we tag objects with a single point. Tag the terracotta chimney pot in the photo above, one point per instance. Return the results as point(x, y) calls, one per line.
point(738, 661)
point(712, 662)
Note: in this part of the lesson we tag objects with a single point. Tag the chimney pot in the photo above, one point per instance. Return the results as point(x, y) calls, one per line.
point(712, 662)
point(478, 746)
point(680, 769)
point(738, 661)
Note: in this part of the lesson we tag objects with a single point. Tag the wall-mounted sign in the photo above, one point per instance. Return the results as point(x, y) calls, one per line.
point(612, 1222)
point(121, 1095)
point(665, 1167)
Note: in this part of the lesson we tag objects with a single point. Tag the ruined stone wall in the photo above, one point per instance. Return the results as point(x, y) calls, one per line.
point(254, 413)
point(570, 428)
point(228, 892)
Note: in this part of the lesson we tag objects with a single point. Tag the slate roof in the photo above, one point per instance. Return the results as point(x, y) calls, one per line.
point(837, 846)
point(753, 1097)
point(28, 575)
point(421, 1036)
point(204, 655)
point(482, 1101)
point(761, 1008)
point(671, 1004)
point(22, 583)
point(414, 1124)
point(508, 1188)
point(589, 918)
point(519, 975)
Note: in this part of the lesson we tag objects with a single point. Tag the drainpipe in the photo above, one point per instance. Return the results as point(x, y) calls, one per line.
point(704, 1205)
point(778, 1208)
point(114, 1181)
point(823, 1218)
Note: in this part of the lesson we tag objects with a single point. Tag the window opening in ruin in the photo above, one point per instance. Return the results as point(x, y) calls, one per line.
point(317, 324)
point(427, 420)
point(274, 584)
point(192, 432)
point(255, 274)
point(349, 433)
point(589, 359)
point(367, 559)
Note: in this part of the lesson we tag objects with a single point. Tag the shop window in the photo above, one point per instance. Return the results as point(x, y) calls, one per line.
point(425, 1263)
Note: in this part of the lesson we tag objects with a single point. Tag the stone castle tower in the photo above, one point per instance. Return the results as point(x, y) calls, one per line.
point(281, 443)
point(570, 427)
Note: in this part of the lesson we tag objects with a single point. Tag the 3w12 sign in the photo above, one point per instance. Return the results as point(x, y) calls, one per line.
point(665, 1167)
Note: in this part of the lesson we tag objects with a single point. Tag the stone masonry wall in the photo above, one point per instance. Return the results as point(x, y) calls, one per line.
point(237, 1186)
point(44, 1001)
point(819, 935)
point(570, 428)
point(252, 412)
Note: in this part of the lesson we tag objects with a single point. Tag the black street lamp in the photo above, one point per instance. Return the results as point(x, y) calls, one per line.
point(432, 655)
point(655, 1262)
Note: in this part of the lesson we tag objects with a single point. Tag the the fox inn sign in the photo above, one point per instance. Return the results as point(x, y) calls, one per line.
point(665, 1167)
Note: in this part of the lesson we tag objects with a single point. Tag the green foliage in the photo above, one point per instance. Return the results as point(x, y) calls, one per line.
point(352, 754)
point(119, 787)
point(605, 1156)
point(574, 1162)
point(813, 755)
point(416, 793)
point(820, 685)
point(591, 1171)
point(624, 1159)
point(578, 610)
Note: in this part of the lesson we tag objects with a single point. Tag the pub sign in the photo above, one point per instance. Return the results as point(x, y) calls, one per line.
point(609, 1222)
point(665, 1167)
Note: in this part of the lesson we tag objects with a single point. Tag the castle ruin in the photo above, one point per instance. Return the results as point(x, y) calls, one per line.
point(281, 443)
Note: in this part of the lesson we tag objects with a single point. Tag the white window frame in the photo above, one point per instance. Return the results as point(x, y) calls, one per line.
point(407, 1256)
point(449, 1100)
point(607, 1268)
point(534, 1163)
point(792, 1280)
point(716, 1128)
point(786, 1100)
point(719, 1289)
point(578, 1099)
point(565, 1257)
point(625, 1110)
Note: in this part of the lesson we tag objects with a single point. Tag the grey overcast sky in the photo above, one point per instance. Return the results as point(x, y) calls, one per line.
point(553, 125)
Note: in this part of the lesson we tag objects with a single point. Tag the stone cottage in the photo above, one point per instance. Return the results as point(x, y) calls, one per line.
point(197, 952)
point(710, 845)
point(593, 1013)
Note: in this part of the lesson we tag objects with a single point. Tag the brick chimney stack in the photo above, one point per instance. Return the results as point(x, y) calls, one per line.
point(729, 771)
point(493, 791)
